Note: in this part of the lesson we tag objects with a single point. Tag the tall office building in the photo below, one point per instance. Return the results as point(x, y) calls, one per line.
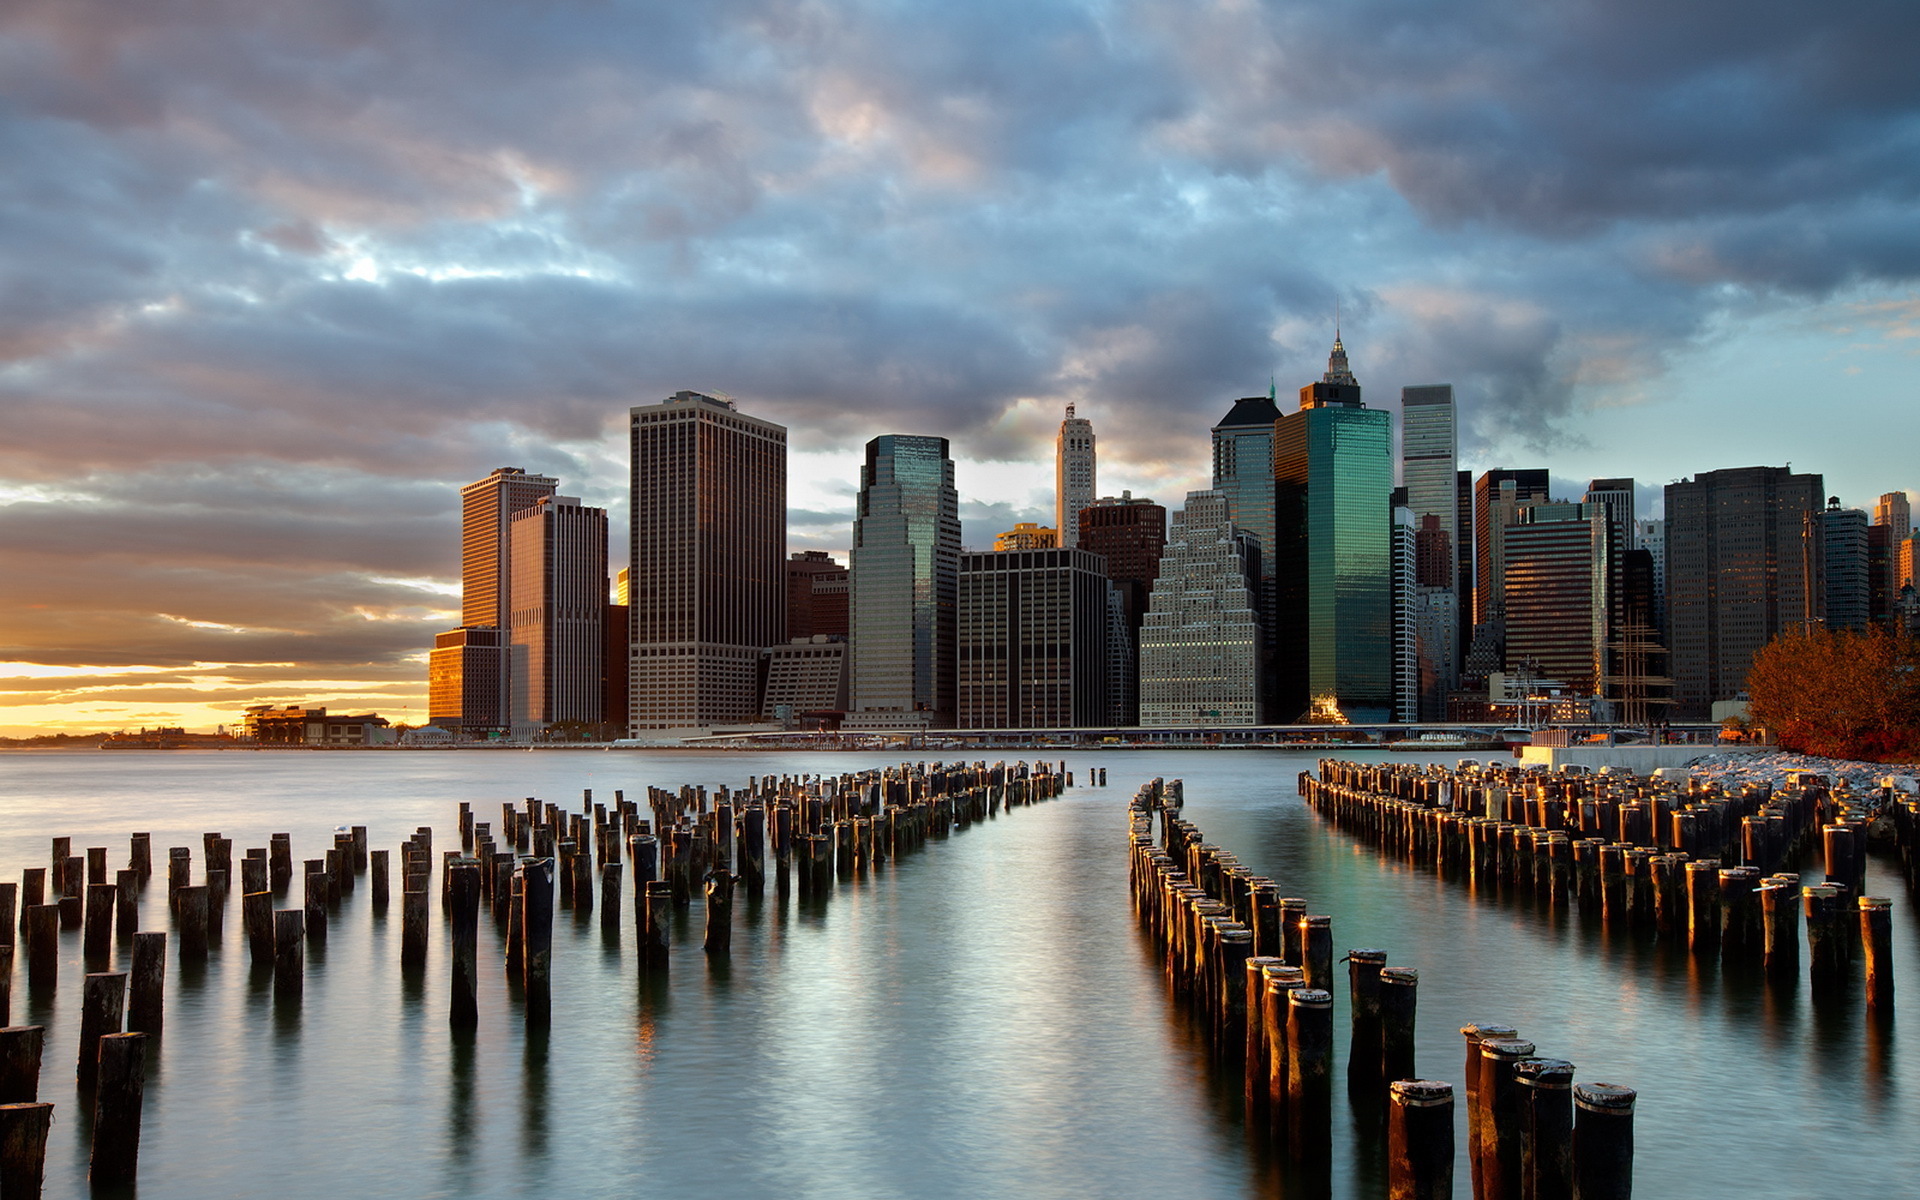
point(1130, 534)
point(1200, 641)
point(1559, 594)
point(1403, 546)
point(1333, 474)
point(557, 612)
point(1429, 450)
point(1498, 497)
point(1032, 648)
point(817, 595)
point(1743, 565)
point(1894, 511)
point(464, 676)
point(1074, 480)
point(1650, 535)
point(905, 580)
point(1243, 474)
point(1844, 551)
point(707, 584)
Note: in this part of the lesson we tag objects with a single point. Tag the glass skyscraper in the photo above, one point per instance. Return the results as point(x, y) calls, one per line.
point(906, 578)
point(1243, 476)
point(1333, 475)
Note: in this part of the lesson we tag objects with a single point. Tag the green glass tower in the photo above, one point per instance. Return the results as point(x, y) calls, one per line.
point(905, 582)
point(1333, 477)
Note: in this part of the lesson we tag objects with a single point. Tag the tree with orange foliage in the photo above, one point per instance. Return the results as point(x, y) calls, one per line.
point(1840, 694)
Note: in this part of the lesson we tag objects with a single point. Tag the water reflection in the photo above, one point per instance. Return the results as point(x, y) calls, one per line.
point(533, 1129)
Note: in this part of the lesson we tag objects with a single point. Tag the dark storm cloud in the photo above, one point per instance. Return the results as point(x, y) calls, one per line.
point(278, 277)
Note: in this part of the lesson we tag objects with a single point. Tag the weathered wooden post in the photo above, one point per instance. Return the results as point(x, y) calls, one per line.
point(73, 899)
point(147, 984)
point(1420, 1140)
point(43, 946)
point(1876, 937)
point(654, 930)
point(20, 1047)
point(1703, 904)
point(753, 850)
point(289, 951)
point(1476, 1033)
point(1293, 910)
point(280, 862)
point(357, 836)
point(179, 874)
point(413, 925)
point(1826, 946)
point(377, 879)
point(98, 940)
point(463, 1012)
point(6, 983)
point(1364, 1049)
point(9, 911)
point(610, 872)
point(314, 910)
point(103, 1000)
point(1399, 1001)
point(1546, 1128)
point(1603, 1141)
point(536, 925)
point(256, 910)
point(1500, 1129)
point(33, 891)
point(23, 1147)
point(719, 939)
point(116, 1109)
point(62, 851)
point(126, 905)
point(1309, 1070)
point(140, 854)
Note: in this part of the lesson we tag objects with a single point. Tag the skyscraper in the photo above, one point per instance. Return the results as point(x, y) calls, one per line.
point(1130, 534)
point(1200, 642)
point(1243, 474)
point(1404, 550)
point(458, 698)
point(1429, 448)
point(817, 596)
point(906, 568)
point(1843, 533)
point(1075, 484)
point(1498, 496)
point(1743, 565)
point(1032, 640)
point(1559, 595)
point(1333, 474)
point(1894, 511)
point(557, 612)
point(707, 585)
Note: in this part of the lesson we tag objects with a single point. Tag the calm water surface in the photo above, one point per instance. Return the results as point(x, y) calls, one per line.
point(979, 1019)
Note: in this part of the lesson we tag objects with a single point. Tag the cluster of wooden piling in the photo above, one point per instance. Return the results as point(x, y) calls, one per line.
point(119, 1010)
point(1691, 863)
point(1258, 971)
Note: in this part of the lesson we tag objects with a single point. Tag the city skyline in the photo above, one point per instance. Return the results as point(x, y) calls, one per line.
point(256, 327)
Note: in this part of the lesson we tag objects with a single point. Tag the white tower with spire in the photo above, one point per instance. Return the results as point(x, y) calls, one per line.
point(1074, 486)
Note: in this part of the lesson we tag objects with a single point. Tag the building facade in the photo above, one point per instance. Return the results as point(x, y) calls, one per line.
point(1743, 565)
point(1130, 534)
point(1559, 594)
point(1075, 480)
point(1243, 473)
point(1332, 627)
point(817, 596)
point(1498, 497)
point(807, 679)
point(707, 584)
point(1025, 535)
point(905, 582)
point(1429, 453)
point(1843, 533)
point(1200, 640)
point(1033, 649)
point(464, 677)
point(487, 507)
point(558, 610)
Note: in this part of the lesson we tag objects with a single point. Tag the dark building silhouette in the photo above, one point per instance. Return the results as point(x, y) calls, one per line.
point(816, 595)
point(1130, 534)
point(1033, 640)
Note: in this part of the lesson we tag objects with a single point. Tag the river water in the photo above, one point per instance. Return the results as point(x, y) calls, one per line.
point(981, 1018)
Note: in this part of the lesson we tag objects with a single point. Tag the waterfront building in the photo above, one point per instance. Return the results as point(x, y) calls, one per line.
point(1200, 640)
point(1743, 565)
point(806, 678)
point(708, 542)
point(487, 507)
point(1498, 497)
point(464, 677)
point(303, 725)
point(1429, 453)
point(557, 610)
point(1025, 535)
point(1074, 477)
point(817, 596)
point(1032, 647)
point(1130, 534)
point(1844, 551)
point(1332, 627)
point(1406, 633)
point(1559, 593)
point(905, 582)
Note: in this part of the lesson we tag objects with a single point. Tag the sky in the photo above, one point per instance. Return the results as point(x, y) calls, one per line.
point(280, 275)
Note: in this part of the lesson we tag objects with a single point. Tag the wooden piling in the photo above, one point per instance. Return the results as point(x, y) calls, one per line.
point(147, 984)
point(6, 983)
point(719, 934)
point(1500, 1129)
point(1546, 1128)
point(23, 1147)
point(1399, 1001)
point(20, 1048)
point(1876, 937)
point(1826, 948)
point(256, 910)
point(1365, 1043)
point(1476, 1033)
point(1316, 948)
point(98, 940)
point(280, 862)
point(9, 911)
point(1309, 1070)
point(43, 945)
point(610, 873)
point(33, 891)
point(289, 951)
point(103, 1002)
point(1603, 1141)
point(463, 1011)
point(126, 905)
point(116, 1109)
point(536, 925)
point(140, 854)
point(377, 879)
point(414, 925)
point(1420, 1140)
